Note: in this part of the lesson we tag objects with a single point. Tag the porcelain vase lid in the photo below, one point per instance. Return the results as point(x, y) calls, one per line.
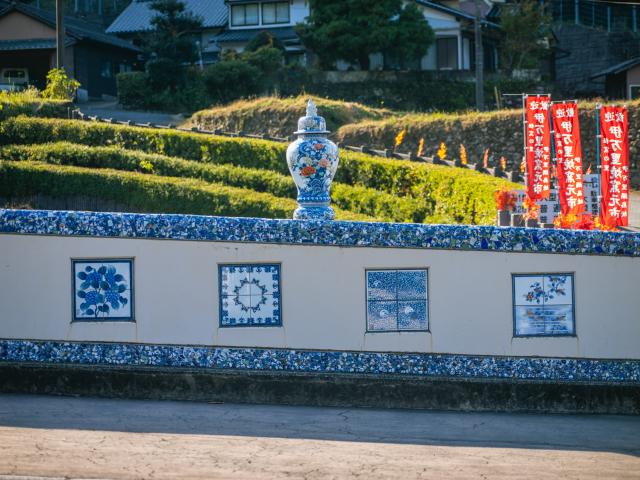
point(311, 123)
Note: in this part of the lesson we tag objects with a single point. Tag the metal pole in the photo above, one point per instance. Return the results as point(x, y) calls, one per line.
point(598, 136)
point(524, 143)
point(59, 35)
point(479, 60)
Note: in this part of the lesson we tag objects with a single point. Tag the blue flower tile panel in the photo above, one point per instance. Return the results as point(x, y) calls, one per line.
point(270, 359)
point(543, 304)
point(249, 295)
point(102, 290)
point(319, 232)
point(397, 300)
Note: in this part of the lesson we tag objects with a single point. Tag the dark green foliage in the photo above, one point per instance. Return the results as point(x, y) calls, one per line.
point(232, 79)
point(357, 199)
point(444, 194)
point(131, 86)
point(526, 28)
point(170, 43)
point(351, 30)
point(263, 39)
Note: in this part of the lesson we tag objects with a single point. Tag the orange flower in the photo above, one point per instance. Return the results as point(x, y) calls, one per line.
point(565, 221)
point(505, 199)
point(306, 171)
point(585, 222)
point(318, 146)
point(523, 166)
point(420, 147)
point(503, 163)
point(485, 159)
point(588, 170)
point(533, 209)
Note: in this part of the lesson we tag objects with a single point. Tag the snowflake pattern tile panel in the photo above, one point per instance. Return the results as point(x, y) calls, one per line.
point(412, 284)
point(381, 284)
point(412, 315)
point(102, 290)
point(249, 295)
point(382, 316)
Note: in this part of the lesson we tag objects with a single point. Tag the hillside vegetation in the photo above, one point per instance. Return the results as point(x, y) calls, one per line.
point(278, 117)
point(500, 131)
point(225, 176)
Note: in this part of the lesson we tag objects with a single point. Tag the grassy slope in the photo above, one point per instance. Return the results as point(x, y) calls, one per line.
point(279, 116)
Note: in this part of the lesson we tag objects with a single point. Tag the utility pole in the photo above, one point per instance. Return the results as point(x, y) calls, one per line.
point(59, 35)
point(479, 60)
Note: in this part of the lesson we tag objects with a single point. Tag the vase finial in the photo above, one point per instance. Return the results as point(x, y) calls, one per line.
point(312, 110)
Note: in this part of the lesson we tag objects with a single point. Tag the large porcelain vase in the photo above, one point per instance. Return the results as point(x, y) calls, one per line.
point(313, 160)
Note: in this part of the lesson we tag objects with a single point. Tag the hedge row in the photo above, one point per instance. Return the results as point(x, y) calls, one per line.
point(355, 199)
point(448, 195)
point(27, 103)
point(144, 193)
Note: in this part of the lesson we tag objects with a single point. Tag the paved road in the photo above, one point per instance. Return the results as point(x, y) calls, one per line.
point(119, 439)
point(113, 110)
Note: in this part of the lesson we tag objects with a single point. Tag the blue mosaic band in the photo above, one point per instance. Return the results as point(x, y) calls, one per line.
point(270, 359)
point(317, 232)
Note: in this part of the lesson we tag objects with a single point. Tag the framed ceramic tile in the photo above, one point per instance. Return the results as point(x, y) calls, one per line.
point(543, 305)
point(397, 300)
point(102, 289)
point(249, 295)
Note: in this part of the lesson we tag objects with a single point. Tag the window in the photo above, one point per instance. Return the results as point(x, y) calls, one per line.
point(447, 50)
point(106, 69)
point(249, 295)
point(634, 92)
point(543, 305)
point(397, 300)
point(102, 290)
point(275, 12)
point(244, 15)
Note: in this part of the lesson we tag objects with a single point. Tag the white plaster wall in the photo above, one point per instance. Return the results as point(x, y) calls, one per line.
point(323, 297)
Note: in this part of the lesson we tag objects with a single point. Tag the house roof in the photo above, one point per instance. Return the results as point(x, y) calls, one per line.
point(137, 16)
point(244, 35)
point(618, 68)
point(455, 12)
point(31, 44)
point(75, 28)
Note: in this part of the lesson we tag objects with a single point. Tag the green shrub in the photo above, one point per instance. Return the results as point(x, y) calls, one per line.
point(450, 195)
point(59, 85)
point(230, 80)
point(143, 193)
point(132, 89)
point(352, 198)
point(30, 103)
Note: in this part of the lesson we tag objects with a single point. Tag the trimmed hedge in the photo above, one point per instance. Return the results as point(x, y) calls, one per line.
point(355, 199)
point(448, 195)
point(144, 193)
point(28, 103)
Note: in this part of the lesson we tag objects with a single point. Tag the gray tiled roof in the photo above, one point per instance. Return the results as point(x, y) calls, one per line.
point(31, 44)
point(618, 68)
point(244, 35)
point(75, 28)
point(137, 16)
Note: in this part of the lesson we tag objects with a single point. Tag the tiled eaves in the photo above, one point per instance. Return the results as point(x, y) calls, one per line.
point(316, 232)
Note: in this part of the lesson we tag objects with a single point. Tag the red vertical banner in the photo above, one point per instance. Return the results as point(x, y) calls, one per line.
point(568, 152)
point(538, 146)
point(614, 155)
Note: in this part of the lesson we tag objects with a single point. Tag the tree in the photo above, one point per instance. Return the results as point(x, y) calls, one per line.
point(526, 28)
point(351, 30)
point(170, 44)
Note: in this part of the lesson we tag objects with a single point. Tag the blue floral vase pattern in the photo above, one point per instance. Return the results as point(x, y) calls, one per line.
point(313, 161)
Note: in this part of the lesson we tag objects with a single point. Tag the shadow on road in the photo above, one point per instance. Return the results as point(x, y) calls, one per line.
point(603, 433)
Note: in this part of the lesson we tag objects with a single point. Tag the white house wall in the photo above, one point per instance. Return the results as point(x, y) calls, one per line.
point(322, 297)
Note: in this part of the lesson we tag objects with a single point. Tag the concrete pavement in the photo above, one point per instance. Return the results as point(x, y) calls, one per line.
point(100, 438)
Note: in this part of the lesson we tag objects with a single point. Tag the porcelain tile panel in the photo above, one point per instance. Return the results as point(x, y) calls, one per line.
point(102, 289)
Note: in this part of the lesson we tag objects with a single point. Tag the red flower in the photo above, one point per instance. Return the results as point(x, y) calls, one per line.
point(306, 171)
point(318, 146)
point(505, 199)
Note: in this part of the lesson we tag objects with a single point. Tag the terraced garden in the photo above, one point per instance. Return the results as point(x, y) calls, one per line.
point(154, 170)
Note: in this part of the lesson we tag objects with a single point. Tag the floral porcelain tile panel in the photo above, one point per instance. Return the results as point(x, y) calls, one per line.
point(543, 305)
point(249, 295)
point(103, 290)
point(397, 300)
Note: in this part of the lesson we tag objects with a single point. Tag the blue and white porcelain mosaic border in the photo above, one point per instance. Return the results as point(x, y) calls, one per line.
point(318, 232)
point(268, 359)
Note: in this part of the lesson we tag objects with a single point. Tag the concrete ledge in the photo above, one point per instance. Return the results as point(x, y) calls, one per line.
point(345, 390)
